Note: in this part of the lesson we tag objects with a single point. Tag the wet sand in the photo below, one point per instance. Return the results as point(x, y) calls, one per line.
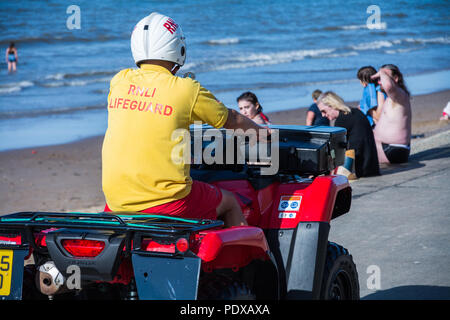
point(68, 177)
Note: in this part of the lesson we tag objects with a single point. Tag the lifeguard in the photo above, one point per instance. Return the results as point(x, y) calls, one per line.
point(146, 105)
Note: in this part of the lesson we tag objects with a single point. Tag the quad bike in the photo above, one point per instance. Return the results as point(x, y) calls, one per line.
point(283, 253)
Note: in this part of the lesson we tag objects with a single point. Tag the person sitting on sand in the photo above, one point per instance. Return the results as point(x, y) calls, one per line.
point(359, 132)
point(393, 130)
point(11, 57)
point(146, 107)
point(250, 107)
point(372, 99)
point(314, 116)
point(446, 112)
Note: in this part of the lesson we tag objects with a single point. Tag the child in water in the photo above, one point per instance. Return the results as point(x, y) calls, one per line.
point(249, 106)
point(11, 57)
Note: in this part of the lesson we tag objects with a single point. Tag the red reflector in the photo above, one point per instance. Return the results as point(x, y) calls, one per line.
point(150, 245)
point(182, 245)
point(83, 248)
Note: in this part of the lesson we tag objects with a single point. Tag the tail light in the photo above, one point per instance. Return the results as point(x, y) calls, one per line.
point(10, 239)
point(83, 248)
point(182, 245)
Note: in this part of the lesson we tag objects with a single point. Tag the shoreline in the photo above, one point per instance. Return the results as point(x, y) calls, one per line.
point(67, 177)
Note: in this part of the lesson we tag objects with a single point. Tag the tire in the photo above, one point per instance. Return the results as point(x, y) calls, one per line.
point(216, 286)
point(340, 277)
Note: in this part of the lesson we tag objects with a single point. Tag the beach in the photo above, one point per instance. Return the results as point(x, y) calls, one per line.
point(67, 177)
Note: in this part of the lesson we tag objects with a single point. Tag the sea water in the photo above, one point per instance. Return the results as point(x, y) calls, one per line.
point(280, 50)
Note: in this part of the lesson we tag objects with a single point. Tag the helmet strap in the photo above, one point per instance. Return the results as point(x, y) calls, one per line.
point(176, 65)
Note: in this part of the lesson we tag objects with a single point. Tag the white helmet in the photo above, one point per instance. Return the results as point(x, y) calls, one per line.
point(158, 37)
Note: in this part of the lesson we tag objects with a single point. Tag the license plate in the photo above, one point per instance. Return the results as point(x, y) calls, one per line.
point(6, 264)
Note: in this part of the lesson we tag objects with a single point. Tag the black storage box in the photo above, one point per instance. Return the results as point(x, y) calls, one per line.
point(303, 150)
point(311, 149)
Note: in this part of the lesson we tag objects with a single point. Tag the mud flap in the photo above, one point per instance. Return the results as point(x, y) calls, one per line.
point(308, 253)
point(300, 254)
point(161, 278)
point(15, 282)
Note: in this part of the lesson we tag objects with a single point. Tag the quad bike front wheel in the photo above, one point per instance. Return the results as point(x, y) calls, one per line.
point(340, 277)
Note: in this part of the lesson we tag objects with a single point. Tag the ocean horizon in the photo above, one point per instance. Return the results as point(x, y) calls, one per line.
point(280, 50)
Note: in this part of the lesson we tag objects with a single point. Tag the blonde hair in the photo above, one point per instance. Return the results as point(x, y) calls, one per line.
point(332, 100)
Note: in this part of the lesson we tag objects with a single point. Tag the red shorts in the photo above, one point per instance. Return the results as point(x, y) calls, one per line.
point(200, 203)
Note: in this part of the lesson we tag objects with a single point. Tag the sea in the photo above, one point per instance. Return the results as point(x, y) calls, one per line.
point(280, 50)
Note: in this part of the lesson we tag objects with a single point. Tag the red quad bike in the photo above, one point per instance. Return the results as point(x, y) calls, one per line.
point(284, 253)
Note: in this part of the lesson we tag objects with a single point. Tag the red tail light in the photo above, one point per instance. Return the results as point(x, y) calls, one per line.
point(182, 245)
point(12, 239)
point(83, 248)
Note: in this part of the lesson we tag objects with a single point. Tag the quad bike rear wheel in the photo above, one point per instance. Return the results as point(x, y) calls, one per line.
point(340, 277)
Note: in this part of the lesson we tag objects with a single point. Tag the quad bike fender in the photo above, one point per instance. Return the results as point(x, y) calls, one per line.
point(231, 248)
point(164, 278)
point(326, 198)
point(300, 256)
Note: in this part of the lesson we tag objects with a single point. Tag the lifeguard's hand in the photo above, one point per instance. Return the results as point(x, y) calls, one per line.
point(264, 134)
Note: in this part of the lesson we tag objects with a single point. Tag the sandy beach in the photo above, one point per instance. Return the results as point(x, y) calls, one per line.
point(68, 177)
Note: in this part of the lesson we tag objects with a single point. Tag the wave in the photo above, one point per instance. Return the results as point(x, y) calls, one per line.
point(15, 86)
point(61, 76)
point(224, 41)
point(63, 38)
point(262, 59)
point(399, 50)
point(271, 58)
point(439, 40)
point(278, 85)
point(378, 26)
point(74, 83)
point(372, 45)
point(46, 112)
point(256, 60)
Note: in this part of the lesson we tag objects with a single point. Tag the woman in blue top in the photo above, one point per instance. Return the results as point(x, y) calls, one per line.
point(373, 98)
point(11, 57)
point(314, 116)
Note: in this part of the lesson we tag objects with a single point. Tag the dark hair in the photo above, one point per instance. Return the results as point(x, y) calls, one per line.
point(250, 96)
point(396, 72)
point(316, 94)
point(11, 45)
point(365, 73)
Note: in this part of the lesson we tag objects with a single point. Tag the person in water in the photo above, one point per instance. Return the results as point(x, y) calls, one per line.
point(393, 130)
point(250, 107)
point(11, 57)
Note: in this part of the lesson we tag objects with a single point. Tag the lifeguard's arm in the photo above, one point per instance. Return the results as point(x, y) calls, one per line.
point(391, 88)
point(310, 118)
point(208, 109)
point(235, 120)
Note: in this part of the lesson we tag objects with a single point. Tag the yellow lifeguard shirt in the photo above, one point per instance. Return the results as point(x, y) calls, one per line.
point(145, 107)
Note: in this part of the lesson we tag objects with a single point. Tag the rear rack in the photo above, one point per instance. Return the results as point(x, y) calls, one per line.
point(118, 221)
point(134, 225)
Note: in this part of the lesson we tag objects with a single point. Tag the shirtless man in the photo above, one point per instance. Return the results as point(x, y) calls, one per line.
point(393, 130)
